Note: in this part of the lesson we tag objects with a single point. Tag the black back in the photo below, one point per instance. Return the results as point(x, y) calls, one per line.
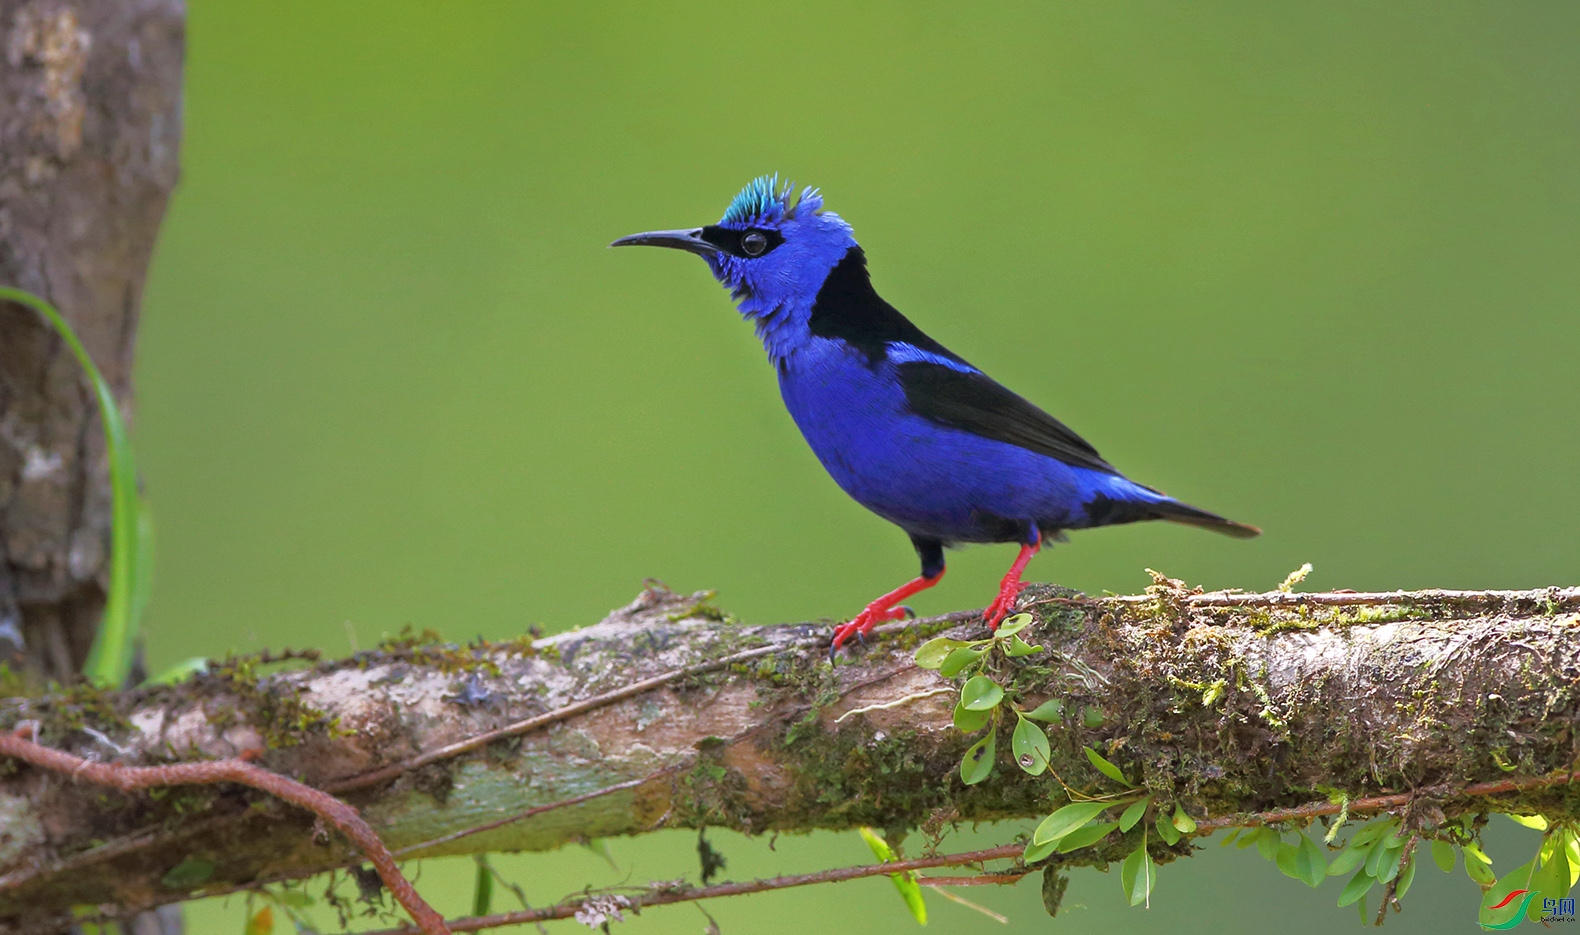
point(848, 308)
point(975, 403)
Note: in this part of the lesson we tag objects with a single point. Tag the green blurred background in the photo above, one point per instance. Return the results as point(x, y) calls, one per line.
point(1310, 265)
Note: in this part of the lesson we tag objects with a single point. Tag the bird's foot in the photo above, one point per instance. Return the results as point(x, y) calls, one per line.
point(1004, 604)
point(874, 614)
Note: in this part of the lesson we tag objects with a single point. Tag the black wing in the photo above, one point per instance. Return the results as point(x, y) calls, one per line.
point(975, 403)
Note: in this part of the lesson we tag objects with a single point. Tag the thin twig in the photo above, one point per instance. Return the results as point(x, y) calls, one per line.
point(665, 897)
point(1393, 885)
point(956, 898)
point(980, 879)
point(1558, 597)
point(241, 772)
point(1380, 802)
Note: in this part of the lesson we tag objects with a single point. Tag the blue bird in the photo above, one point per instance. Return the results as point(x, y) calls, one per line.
point(904, 425)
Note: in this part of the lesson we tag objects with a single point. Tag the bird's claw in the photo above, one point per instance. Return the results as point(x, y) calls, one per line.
point(1002, 605)
point(863, 624)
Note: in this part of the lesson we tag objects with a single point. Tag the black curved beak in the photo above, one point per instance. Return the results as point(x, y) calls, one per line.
point(688, 240)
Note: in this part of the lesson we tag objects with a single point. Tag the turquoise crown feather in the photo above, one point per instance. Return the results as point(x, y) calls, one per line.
point(765, 201)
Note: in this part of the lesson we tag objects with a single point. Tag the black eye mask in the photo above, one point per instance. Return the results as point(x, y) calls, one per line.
point(744, 244)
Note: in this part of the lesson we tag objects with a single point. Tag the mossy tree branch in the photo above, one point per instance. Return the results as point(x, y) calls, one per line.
point(668, 714)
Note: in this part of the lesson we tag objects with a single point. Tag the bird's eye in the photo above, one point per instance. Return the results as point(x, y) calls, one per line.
point(754, 243)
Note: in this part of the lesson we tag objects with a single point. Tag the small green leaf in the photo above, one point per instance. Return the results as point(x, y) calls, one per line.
point(1530, 821)
point(1370, 833)
point(1012, 626)
point(1551, 881)
point(1166, 830)
point(980, 693)
point(969, 722)
point(1085, 835)
point(1183, 822)
point(1350, 858)
point(958, 659)
point(1396, 837)
point(1129, 869)
point(1019, 647)
point(1287, 858)
point(1388, 865)
point(1067, 819)
point(188, 873)
point(1478, 867)
point(178, 672)
point(1131, 815)
point(876, 844)
point(931, 654)
point(1268, 842)
point(1356, 888)
point(1406, 877)
point(1516, 879)
point(296, 899)
point(1030, 747)
point(1051, 711)
point(977, 764)
point(1229, 838)
point(911, 892)
point(1381, 855)
point(1137, 875)
point(905, 883)
point(1313, 864)
point(1092, 717)
point(1443, 855)
point(1035, 852)
point(1106, 768)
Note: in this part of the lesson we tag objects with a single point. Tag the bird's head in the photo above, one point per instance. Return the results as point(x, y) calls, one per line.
point(772, 249)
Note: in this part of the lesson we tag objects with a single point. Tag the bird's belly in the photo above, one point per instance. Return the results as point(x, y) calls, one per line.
point(929, 479)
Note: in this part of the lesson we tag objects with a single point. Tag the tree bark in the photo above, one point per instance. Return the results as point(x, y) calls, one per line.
point(669, 714)
point(90, 123)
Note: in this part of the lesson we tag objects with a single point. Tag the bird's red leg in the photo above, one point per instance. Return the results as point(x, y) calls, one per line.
point(883, 609)
point(1009, 589)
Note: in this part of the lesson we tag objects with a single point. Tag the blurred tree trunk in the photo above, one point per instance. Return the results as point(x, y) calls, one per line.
point(90, 127)
point(90, 123)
